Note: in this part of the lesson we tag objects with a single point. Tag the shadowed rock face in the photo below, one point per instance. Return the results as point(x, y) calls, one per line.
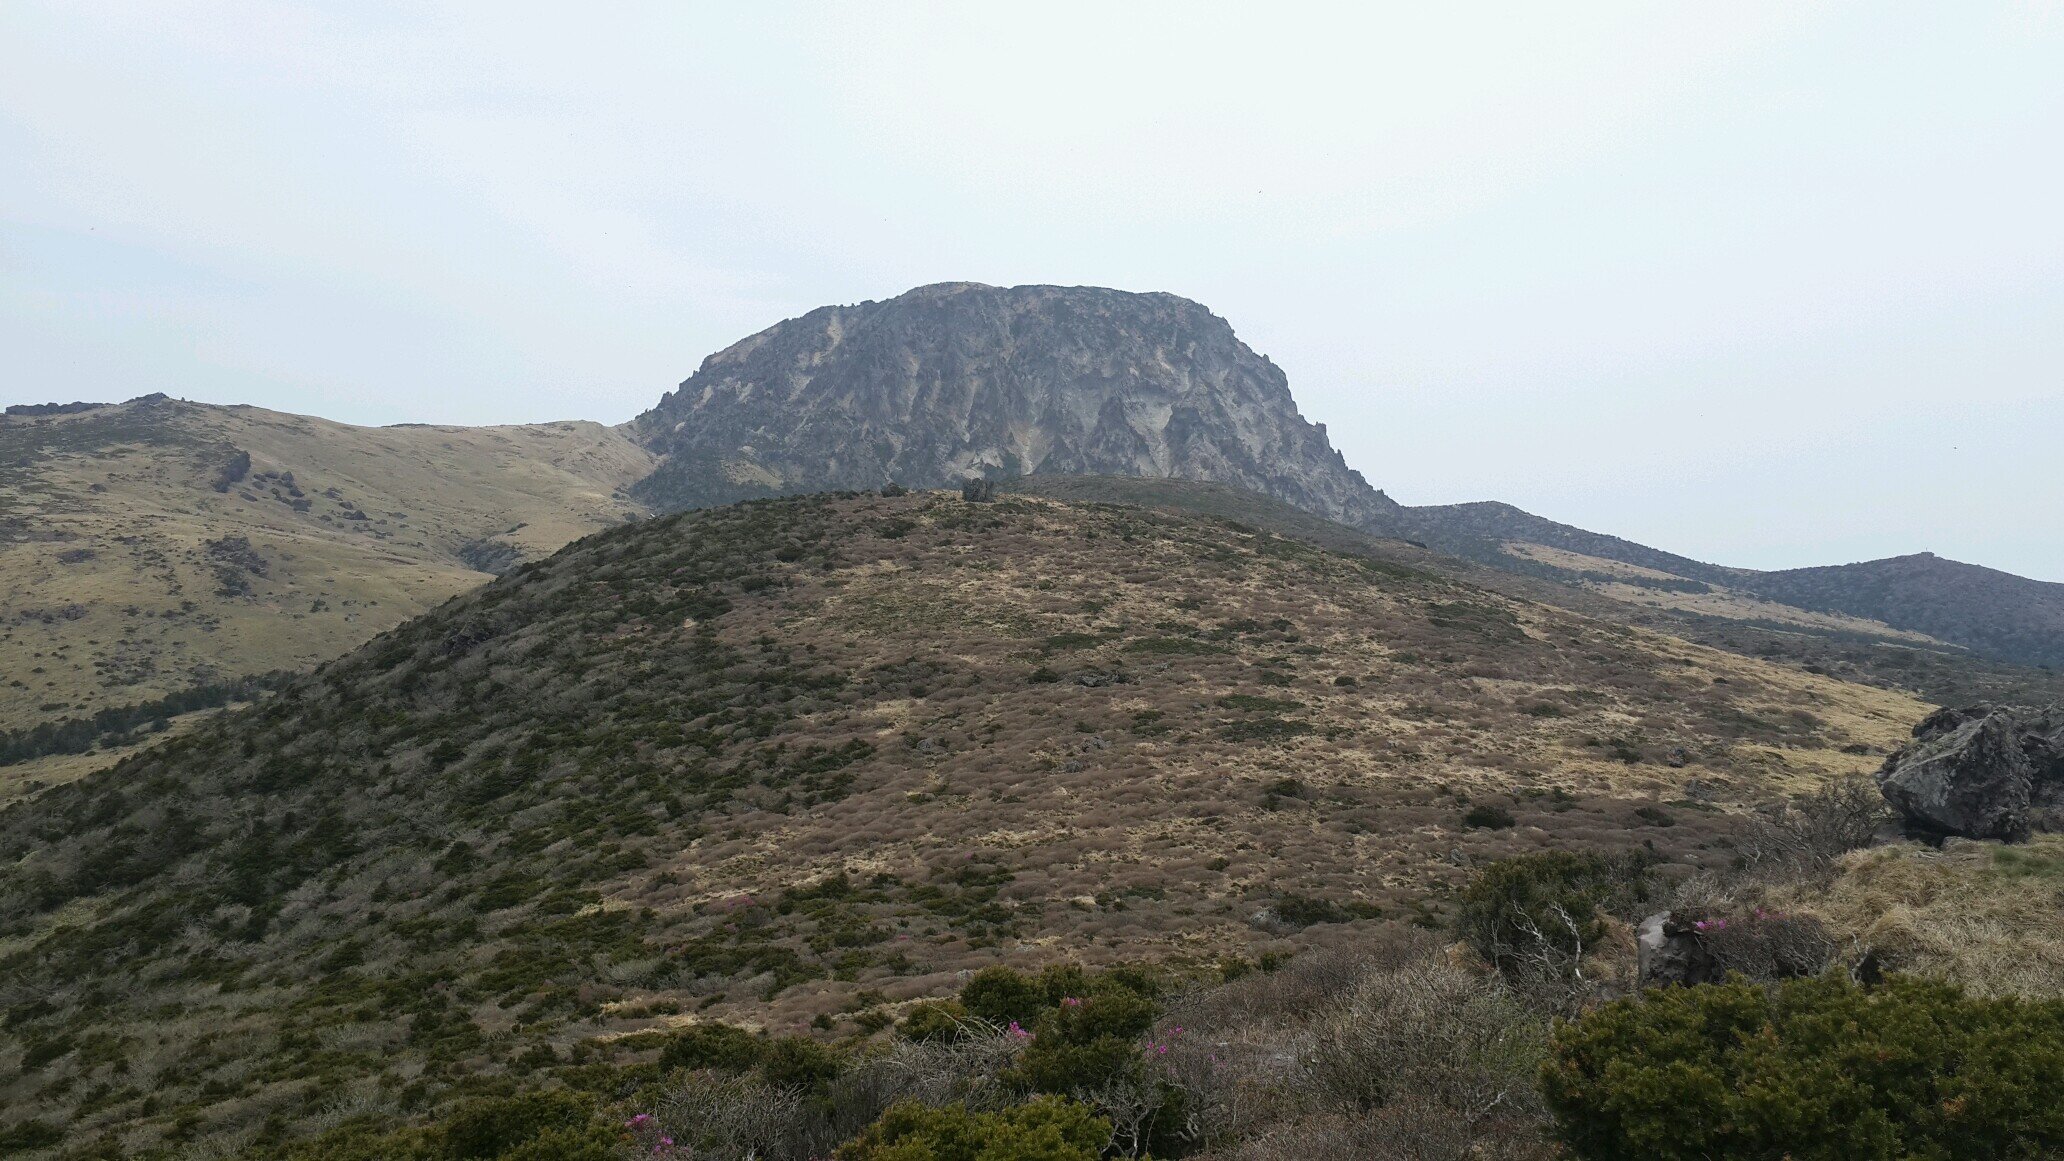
point(1981, 773)
point(959, 379)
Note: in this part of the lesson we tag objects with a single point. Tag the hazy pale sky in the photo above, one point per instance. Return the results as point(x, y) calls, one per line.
point(1770, 284)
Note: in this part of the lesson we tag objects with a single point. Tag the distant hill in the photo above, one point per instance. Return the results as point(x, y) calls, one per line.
point(150, 546)
point(817, 757)
point(1851, 647)
point(960, 379)
point(1992, 612)
point(1479, 532)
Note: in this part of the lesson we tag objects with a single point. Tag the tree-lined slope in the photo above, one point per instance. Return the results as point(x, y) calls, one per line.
point(818, 755)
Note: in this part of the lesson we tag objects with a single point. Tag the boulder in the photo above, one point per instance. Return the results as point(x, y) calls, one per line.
point(1980, 772)
point(1671, 952)
point(976, 490)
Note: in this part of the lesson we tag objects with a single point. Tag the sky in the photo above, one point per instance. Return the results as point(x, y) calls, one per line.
point(1769, 284)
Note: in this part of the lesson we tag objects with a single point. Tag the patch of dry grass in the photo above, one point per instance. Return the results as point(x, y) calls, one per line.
point(1987, 916)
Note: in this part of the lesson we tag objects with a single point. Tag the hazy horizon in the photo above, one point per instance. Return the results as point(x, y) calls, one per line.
point(1775, 286)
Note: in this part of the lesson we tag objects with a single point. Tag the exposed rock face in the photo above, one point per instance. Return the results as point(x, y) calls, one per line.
point(1980, 772)
point(959, 379)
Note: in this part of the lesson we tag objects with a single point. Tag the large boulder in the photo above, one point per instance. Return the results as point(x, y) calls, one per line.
point(1980, 772)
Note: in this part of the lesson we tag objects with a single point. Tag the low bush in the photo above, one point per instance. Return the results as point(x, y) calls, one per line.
point(936, 1022)
point(1048, 1129)
point(1542, 912)
point(1488, 817)
point(1814, 1069)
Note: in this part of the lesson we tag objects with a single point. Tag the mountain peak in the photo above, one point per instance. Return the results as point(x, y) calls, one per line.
point(956, 379)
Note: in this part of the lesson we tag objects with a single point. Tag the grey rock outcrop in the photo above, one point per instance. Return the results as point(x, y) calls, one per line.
point(1980, 772)
point(958, 380)
point(1670, 951)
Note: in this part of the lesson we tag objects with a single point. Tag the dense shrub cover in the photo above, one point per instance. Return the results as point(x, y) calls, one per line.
point(1811, 1070)
point(1048, 1129)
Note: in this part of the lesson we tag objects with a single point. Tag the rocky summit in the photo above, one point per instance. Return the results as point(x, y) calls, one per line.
point(960, 379)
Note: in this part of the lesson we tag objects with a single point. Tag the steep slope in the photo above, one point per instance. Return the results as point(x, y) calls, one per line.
point(1992, 612)
point(817, 756)
point(960, 379)
point(152, 545)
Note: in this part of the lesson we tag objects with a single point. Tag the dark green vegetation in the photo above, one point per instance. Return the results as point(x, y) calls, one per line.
point(1812, 1069)
point(120, 725)
point(1018, 1049)
point(1555, 903)
point(1044, 1130)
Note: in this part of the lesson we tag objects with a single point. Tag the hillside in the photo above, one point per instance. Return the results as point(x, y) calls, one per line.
point(1919, 599)
point(960, 379)
point(1481, 531)
point(1994, 613)
point(1851, 648)
point(150, 546)
point(814, 758)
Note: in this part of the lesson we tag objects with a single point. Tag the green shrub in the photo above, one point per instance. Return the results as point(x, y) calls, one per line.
point(1811, 1070)
point(799, 1062)
point(25, 1135)
point(1488, 817)
point(719, 1046)
point(1087, 1041)
point(1048, 1129)
point(534, 1126)
point(1003, 996)
point(1517, 910)
point(936, 1022)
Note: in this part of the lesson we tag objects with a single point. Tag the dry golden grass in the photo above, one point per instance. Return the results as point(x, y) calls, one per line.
point(109, 594)
point(1721, 601)
point(1135, 825)
point(1987, 916)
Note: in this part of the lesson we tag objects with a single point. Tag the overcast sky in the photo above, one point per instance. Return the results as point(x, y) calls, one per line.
point(1768, 284)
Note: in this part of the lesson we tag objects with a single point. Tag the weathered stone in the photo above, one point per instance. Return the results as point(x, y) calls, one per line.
point(1671, 952)
point(976, 490)
point(960, 379)
point(1980, 772)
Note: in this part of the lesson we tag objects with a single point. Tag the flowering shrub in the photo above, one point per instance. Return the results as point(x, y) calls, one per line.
point(1088, 1043)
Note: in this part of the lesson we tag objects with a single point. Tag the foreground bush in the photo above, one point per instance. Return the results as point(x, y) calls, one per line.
point(1540, 914)
point(1048, 1129)
point(533, 1126)
point(1810, 1070)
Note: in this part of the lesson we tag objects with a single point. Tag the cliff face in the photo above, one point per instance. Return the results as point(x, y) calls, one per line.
point(961, 379)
